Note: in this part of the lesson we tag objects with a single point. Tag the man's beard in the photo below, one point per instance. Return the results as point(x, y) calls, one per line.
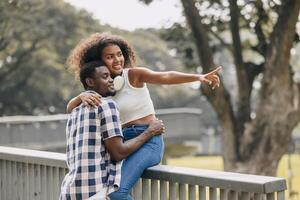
point(111, 94)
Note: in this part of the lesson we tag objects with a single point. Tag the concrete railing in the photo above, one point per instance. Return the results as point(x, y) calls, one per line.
point(29, 174)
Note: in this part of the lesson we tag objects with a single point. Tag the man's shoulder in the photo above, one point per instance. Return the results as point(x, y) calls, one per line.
point(107, 103)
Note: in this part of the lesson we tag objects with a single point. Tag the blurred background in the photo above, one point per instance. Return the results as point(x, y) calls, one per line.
point(250, 124)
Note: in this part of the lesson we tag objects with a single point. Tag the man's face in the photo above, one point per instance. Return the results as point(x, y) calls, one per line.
point(102, 82)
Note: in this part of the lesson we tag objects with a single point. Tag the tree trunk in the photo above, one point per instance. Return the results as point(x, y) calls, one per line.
point(264, 139)
point(267, 137)
point(220, 98)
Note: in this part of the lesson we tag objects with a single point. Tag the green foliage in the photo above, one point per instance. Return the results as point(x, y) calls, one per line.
point(180, 40)
point(35, 39)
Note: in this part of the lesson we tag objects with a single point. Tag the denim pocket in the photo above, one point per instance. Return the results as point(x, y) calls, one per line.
point(133, 131)
point(129, 133)
point(140, 128)
point(155, 144)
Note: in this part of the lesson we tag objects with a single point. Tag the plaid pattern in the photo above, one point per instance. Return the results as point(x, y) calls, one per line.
point(90, 168)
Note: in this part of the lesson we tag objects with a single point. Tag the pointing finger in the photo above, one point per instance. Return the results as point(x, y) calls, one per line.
point(214, 71)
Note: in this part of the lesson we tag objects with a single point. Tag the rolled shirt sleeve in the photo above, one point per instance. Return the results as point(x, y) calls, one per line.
point(110, 120)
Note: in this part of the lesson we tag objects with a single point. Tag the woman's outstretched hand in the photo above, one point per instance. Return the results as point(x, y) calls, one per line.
point(211, 78)
point(90, 99)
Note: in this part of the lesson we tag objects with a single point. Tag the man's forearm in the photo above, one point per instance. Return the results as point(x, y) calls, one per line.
point(132, 145)
point(120, 150)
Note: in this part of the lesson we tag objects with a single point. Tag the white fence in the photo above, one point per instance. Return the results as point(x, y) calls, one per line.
point(29, 174)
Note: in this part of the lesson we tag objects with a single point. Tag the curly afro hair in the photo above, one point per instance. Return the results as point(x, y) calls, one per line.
point(91, 49)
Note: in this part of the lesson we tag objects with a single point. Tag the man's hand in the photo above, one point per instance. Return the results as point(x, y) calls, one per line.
point(156, 127)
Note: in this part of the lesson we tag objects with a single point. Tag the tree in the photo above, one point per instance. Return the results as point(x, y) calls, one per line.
point(35, 39)
point(256, 134)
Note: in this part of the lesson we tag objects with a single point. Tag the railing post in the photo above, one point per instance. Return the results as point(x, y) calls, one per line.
point(14, 178)
point(56, 183)
point(280, 195)
point(37, 181)
point(30, 175)
point(258, 196)
point(163, 190)
point(25, 171)
point(137, 190)
point(145, 189)
point(3, 179)
point(172, 190)
point(223, 194)
point(233, 195)
point(202, 193)
point(30, 180)
point(9, 184)
point(271, 196)
point(154, 189)
point(62, 173)
point(49, 183)
point(212, 193)
point(192, 192)
point(44, 182)
point(182, 191)
point(245, 196)
point(20, 192)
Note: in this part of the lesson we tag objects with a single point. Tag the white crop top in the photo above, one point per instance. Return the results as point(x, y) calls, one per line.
point(133, 103)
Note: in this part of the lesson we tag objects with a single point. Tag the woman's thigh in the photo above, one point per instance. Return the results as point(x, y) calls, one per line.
point(155, 143)
point(148, 155)
point(132, 169)
point(134, 166)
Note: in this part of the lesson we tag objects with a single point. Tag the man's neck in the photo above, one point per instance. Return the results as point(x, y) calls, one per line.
point(102, 95)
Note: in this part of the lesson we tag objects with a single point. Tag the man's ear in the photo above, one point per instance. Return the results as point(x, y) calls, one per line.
point(89, 82)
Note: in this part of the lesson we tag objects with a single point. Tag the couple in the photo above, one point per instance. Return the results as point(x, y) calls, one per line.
point(94, 136)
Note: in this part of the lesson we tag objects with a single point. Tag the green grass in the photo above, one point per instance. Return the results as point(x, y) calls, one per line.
point(216, 163)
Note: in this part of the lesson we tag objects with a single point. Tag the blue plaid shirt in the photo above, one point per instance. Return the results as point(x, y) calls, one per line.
point(91, 169)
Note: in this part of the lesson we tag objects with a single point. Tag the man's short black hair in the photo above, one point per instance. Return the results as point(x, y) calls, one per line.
point(88, 70)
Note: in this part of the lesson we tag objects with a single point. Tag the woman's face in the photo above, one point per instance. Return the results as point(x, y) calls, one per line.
point(113, 58)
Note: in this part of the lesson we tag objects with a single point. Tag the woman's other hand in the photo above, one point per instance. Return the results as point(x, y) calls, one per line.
point(211, 78)
point(156, 127)
point(90, 99)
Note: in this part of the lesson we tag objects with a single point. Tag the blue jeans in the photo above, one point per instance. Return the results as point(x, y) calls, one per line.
point(148, 155)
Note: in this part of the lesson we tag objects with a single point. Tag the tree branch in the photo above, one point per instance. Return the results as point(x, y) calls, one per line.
point(243, 113)
point(282, 37)
point(220, 39)
point(21, 56)
point(262, 16)
point(271, 113)
point(220, 98)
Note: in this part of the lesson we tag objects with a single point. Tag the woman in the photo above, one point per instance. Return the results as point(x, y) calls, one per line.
point(133, 98)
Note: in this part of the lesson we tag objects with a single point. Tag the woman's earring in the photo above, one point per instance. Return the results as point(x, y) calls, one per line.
point(119, 82)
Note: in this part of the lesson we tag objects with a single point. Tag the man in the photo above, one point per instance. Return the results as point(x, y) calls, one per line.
point(95, 144)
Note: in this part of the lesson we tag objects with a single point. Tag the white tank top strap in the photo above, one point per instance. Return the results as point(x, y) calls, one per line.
point(133, 103)
point(125, 75)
